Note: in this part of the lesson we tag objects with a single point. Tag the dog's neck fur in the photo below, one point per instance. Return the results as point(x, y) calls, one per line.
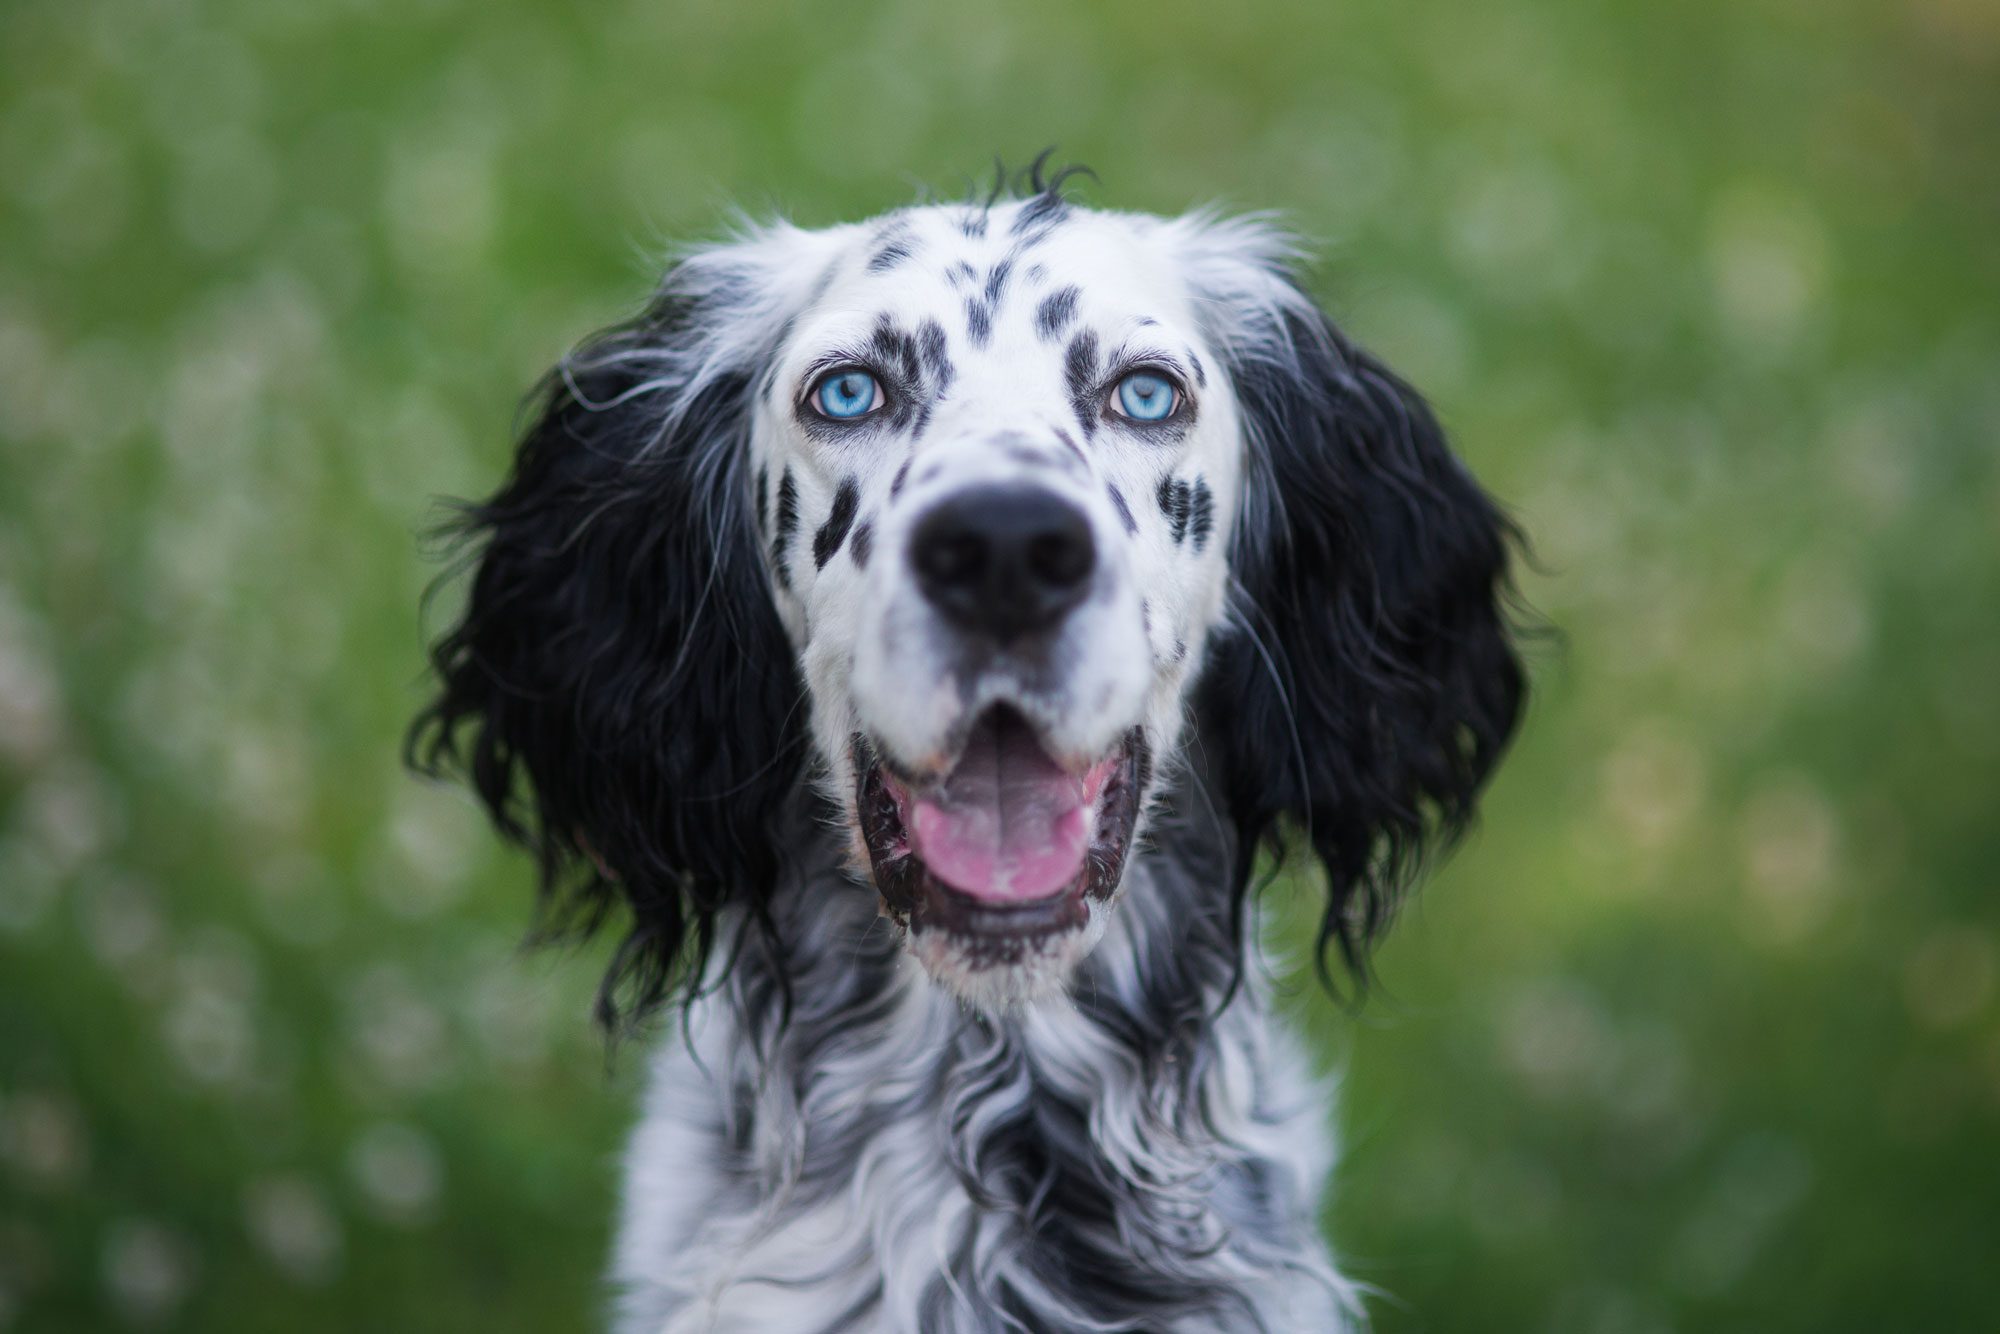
point(875, 1155)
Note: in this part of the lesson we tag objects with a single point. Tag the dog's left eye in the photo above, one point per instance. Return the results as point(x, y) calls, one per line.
point(847, 394)
point(1146, 396)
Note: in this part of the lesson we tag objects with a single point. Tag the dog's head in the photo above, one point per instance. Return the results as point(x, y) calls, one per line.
point(973, 518)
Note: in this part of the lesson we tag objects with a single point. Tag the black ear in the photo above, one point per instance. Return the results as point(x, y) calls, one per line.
point(619, 690)
point(1371, 683)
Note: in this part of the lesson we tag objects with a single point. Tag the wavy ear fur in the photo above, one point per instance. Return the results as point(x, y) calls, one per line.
point(1371, 683)
point(619, 690)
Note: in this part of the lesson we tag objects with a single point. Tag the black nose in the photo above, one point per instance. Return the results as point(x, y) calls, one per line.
point(1003, 560)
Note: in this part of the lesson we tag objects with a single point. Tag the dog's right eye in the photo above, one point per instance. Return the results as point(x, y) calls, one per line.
point(1146, 396)
point(847, 394)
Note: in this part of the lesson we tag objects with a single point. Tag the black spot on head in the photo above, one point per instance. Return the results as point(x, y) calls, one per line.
point(1180, 649)
point(1080, 368)
point(1130, 524)
point(863, 543)
point(1147, 321)
point(763, 499)
point(1201, 518)
point(1146, 617)
point(1055, 312)
point(1177, 504)
point(973, 223)
point(960, 273)
point(978, 321)
point(896, 348)
point(1080, 362)
point(888, 257)
point(846, 499)
point(1200, 375)
point(902, 476)
point(788, 524)
point(1069, 442)
point(996, 281)
point(893, 251)
point(1036, 273)
point(934, 348)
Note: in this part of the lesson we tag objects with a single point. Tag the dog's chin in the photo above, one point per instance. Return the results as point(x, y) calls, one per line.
point(1025, 968)
point(1005, 925)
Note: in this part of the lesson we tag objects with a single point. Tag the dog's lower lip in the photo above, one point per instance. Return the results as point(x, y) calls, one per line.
point(946, 909)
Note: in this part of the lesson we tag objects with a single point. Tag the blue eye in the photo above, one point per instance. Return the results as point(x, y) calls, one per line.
point(1146, 397)
point(845, 395)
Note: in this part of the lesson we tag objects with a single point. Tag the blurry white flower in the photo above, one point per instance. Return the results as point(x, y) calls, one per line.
point(1791, 836)
point(210, 1021)
point(439, 204)
point(1653, 784)
point(431, 840)
point(398, 1171)
point(43, 1139)
point(1511, 227)
point(399, 1035)
point(30, 697)
point(72, 812)
point(1768, 259)
point(119, 915)
point(148, 1270)
point(1948, 977)
point(1760, 1181)
point(292, 1223)
point(1558, 1038)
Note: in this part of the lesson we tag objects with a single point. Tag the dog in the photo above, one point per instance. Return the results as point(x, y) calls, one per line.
point(916, 631)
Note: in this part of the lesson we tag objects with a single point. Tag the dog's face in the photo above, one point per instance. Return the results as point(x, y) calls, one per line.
point(996, 482)
point(962, 518)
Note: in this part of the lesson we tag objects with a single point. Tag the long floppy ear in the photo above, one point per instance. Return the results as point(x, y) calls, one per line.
point(1370, 683)
point(619, 690)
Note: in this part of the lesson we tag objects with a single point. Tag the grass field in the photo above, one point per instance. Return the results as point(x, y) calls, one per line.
point(1700, 1032)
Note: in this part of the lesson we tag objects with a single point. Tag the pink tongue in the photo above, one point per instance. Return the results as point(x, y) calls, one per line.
point(1009, 825)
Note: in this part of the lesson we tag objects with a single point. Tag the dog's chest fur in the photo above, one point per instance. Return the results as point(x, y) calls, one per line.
point(887, 1159)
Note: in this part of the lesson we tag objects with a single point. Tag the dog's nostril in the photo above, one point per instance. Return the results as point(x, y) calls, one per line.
point(950, 558)
point(1061, 558)
point(1004, 560)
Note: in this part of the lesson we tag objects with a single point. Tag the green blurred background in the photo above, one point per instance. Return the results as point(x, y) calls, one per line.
point(1701, 1032)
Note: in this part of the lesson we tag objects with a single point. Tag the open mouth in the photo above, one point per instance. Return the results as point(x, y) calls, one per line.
point(1007, 849)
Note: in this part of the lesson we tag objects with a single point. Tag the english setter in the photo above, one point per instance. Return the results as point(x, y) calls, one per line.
point(915, 629)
